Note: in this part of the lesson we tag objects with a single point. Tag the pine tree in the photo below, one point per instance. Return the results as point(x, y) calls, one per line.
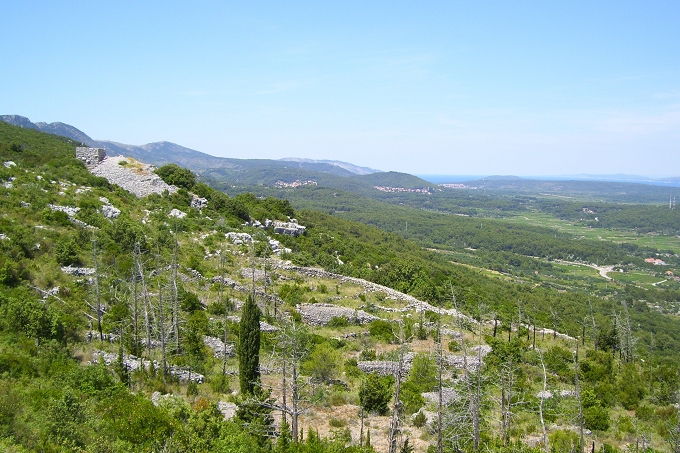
point(249, 348)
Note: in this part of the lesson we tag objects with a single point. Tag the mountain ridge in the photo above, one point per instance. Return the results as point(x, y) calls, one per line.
point(164, 152)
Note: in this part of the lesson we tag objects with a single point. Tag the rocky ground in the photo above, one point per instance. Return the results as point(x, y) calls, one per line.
point(131, 175)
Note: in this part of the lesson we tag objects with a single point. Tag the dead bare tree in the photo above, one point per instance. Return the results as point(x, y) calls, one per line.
point(461, 422)
point(227, 307)
point(440, 372)
point(507, 376)
point(395, 423)
point(594, 324)
point(672, 431)
point(161, 329)
point(148, 311)
point(625, 336)
point(476, 406)
point(578, 398)
point(291, 348)
point(174, 291)
point(97, 293)
point(542, 398)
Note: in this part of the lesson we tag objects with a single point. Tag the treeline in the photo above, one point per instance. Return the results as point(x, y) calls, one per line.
point(642, 218)
point(452, 232)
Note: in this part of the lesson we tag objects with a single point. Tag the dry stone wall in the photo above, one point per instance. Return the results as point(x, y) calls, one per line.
point(322, 314)
point(91, 156)
point(413, 303)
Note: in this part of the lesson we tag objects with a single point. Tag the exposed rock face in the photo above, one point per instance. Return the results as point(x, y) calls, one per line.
point(290, 228)
point(109, 211)
point(321, 314)
point(198, 202)
point(547, 394)
point(239, 238)
point(449, 395)
point(277, 247)
point(132, 363)
point(78, 271)
point(91, 156)
point(157, 398)
point(177, 213)
point(228, 409)
point(133, 176)
point(273, 298)
point(264, 327)
point(92, 335)
point(473, 360)
point(70, 211)
point(218, 347)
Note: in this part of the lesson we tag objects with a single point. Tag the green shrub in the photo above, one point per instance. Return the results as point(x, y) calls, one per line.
point(293, 293)
point(338, 321)
point(192, 389)
point(419, 420)
point(336, 422)
point(563, 441)
point(375, 393)
point(66, 251)
point(323, 363)
point(382, 330)
point(596, 418)
point(411, 396)
point(337, 399)
point(175, 175)
point(351, 368)
point(368, 355)
point(453, 346)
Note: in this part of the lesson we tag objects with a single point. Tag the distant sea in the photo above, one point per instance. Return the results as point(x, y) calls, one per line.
point(667, 182)
point(443, 179)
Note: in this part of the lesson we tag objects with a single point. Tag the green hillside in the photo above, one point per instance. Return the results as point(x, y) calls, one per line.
point(121, 332)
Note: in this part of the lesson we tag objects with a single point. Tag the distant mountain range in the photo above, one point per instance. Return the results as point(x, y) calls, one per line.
point(347, 166)
point(161, 153)
point(293, 172)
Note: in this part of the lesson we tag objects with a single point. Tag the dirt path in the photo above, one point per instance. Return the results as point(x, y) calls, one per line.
point(603, 270)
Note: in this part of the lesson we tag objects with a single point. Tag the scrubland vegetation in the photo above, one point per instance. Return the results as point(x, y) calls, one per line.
point(152, 332)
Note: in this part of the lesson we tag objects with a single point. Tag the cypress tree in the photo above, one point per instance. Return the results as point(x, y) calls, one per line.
point(249, 348)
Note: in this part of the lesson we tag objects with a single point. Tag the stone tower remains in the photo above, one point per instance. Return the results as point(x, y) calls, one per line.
point(91, 156)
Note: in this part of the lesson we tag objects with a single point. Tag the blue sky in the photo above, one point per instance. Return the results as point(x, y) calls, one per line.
point(524, 88)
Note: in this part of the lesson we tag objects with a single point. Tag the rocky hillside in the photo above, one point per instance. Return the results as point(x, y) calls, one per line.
point(128, 321)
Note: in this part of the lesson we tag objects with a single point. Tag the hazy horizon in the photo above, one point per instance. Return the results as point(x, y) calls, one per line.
point(496, 88)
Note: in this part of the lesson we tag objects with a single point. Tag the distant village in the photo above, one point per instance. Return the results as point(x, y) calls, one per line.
point(403, 190)
point(296, 183)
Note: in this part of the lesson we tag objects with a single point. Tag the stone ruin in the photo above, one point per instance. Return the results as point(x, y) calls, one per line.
point(387, 367)
point(322, 314)
point(91, 156)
